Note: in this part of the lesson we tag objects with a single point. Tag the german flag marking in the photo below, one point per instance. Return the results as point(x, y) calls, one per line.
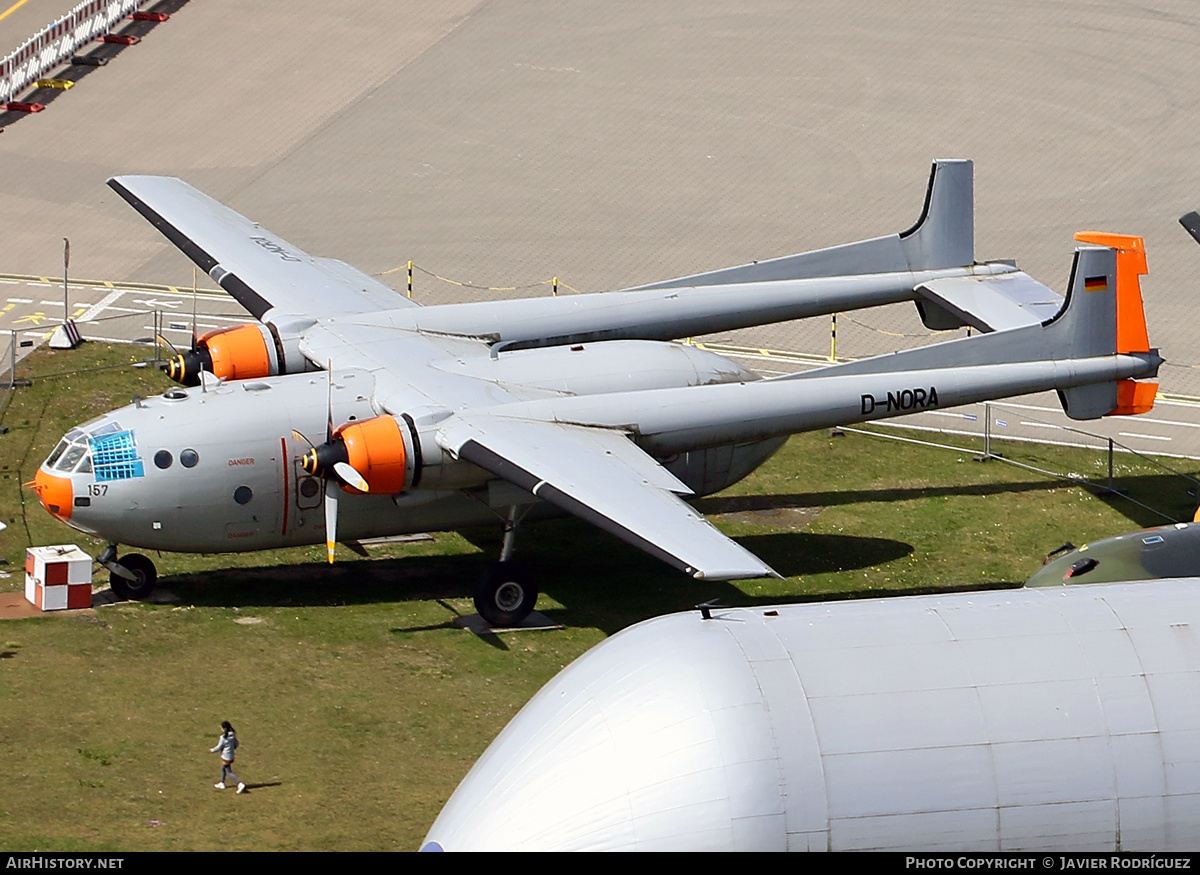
point(1095, 283)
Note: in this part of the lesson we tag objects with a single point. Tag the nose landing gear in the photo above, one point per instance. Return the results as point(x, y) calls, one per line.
point(132, 577)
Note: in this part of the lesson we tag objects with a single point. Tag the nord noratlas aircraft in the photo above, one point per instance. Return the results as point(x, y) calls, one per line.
point(347, 411)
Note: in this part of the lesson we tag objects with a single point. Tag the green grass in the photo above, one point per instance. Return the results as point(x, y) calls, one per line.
point(359, 705)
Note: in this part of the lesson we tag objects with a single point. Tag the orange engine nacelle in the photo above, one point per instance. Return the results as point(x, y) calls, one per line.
point(375, 449)
point(239, 353)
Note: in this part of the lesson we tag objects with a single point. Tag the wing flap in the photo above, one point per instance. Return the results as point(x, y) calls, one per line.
point(601, 477)
point(259, 269)
point(994, 303)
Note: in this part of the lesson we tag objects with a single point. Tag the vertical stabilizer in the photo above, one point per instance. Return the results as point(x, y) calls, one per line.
point(1131, 264)
point(1106, 319)
point(944, 236)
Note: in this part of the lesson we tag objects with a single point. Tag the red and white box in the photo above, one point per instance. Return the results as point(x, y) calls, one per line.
point(58, 578)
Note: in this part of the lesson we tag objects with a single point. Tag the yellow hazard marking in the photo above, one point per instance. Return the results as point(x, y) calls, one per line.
point(109, 284)
point(9, 307)
point(60, 84)
point(553, 282)
point(33, 319)
point(10, 10)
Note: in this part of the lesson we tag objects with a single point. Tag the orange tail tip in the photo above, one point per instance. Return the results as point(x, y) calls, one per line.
point(1131, 263)
point(1134, 398)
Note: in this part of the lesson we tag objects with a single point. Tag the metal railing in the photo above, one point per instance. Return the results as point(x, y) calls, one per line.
point(55, 44)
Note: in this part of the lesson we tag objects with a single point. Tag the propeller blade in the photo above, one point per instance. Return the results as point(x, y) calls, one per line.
point(162, 340)
point(331, 515)
point(195, 336)
point(350, 476)
point(300, 437)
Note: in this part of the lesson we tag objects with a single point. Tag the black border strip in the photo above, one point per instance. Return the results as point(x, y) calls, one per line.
point(925, 207)
point(230, 282)
point(418, 457)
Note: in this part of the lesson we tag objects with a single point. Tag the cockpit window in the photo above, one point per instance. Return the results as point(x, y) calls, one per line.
point(58, 451)
point(72, 451)
point(71, 457)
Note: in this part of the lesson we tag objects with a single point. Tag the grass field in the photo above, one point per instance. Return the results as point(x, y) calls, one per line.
point(359, 704)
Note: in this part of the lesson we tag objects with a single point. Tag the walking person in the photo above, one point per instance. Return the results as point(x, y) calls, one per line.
point(226, 745)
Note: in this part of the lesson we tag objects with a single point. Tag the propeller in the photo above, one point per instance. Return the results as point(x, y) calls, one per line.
point(185, 367)
point(330, 462)
point(164, 343)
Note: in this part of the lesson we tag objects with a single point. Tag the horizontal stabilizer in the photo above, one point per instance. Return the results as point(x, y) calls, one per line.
point(992, 303)
point(600, 476)
point(1101, 317)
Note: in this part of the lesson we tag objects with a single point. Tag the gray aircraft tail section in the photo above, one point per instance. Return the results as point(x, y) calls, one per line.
point(943, 237)
point(1102, 316)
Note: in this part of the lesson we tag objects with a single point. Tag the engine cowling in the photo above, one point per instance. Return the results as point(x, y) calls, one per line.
point(243, 352)
point(375, 448)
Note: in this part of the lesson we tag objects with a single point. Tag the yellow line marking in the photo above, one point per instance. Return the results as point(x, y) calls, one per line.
point(10, 10)
point(109, 284)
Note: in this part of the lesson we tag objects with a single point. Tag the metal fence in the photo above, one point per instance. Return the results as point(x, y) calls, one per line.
point(997, 430)
point(55, 44)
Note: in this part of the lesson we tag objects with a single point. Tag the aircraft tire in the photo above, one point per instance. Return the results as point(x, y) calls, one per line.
point(146, 575)
point(505, 595)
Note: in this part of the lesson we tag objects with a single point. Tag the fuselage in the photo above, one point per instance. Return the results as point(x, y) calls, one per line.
point(218, 469)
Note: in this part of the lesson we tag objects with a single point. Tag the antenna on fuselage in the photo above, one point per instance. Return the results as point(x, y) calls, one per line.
point(194, 337)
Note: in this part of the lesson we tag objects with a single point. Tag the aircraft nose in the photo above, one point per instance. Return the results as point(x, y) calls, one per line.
point(54, 493)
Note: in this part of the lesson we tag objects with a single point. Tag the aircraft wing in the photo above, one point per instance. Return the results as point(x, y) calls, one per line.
point(259, 269)
point(600, 476)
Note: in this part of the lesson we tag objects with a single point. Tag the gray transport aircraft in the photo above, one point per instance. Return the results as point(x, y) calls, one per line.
point(349, 412)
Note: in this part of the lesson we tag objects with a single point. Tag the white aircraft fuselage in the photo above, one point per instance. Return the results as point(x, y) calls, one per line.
point(217, 470)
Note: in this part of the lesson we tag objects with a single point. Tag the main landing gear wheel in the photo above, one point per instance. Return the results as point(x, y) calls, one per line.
point(505, 595)
point(141, 568)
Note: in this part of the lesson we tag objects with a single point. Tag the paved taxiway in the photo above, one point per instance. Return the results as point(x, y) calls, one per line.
point(613, 143)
